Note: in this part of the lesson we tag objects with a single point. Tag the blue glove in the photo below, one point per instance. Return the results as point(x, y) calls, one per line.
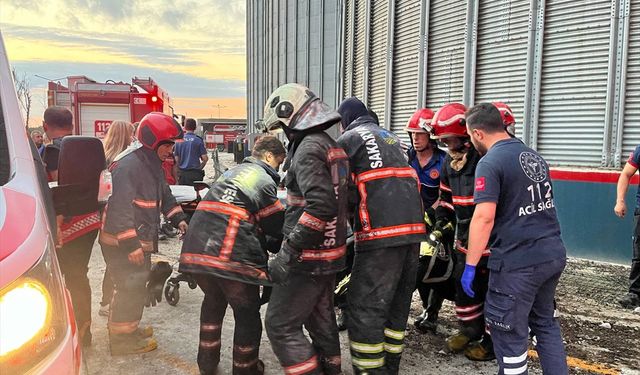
point(467, 280)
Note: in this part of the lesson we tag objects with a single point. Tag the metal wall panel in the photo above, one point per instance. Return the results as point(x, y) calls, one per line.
point(359, 50)
point(574, 82)
point(330, 52)
point(501, 58)
point(447, 20)
point(347, 63)
point(631, 127)
point(406, 45)
point(378, 58)
point(315, 40)
point(291, 40)
point(282, 42)
point(302, 42)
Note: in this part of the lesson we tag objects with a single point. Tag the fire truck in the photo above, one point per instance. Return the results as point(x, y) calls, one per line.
point(95, 105)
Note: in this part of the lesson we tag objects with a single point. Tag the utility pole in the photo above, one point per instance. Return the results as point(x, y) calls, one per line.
point(219, 108)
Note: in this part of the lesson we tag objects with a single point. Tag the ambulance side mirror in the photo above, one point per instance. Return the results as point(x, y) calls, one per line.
point(80, 165)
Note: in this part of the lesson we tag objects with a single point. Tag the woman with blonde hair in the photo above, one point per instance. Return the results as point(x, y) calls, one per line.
point(119, 136)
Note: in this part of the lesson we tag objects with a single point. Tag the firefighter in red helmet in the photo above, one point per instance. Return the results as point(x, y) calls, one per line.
point(508, 119)
point(130, 229)
point(456, 206)
point(426, 159)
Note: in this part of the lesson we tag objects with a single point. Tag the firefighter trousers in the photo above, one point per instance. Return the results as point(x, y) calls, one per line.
point(74, 259)
point(519, 299)
point(245, 301)
point(382, 284)
point(130, 291)
point(307, 301)
point(470, 311)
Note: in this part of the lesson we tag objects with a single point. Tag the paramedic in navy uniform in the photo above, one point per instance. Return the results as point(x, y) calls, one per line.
point(515, 215)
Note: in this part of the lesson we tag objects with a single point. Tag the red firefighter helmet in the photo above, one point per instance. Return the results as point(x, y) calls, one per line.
point(449, 121)
point(420, 122)
point(506, 113)
point(156, 128)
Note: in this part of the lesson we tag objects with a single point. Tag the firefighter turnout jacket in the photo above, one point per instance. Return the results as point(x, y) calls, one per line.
point(385, 191)
point(456, 197)
point(140, 194)
point(226, 234)
point(316, 216)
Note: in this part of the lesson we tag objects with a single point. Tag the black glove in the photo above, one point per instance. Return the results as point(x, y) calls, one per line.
point(443, 228)
point(160, 272)
point(280, 266)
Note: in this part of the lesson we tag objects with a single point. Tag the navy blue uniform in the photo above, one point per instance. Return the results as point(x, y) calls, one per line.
point(527, 256)
point(429, 175)
point(634, 275)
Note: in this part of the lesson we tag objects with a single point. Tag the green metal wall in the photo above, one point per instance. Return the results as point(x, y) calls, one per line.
point(590, 229)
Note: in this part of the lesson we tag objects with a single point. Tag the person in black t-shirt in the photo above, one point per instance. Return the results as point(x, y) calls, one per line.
point(76, 233)
point(515, 214)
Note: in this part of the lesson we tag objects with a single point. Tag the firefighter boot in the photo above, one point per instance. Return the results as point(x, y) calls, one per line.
point(145, 332)
point(130, 343)
point(429, 324)
point(481, 350)
point(392, 364)
point(630, 300)
point(420, 318)
point(457, 342)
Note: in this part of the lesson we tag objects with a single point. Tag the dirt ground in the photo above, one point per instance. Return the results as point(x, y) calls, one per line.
point(586, 299)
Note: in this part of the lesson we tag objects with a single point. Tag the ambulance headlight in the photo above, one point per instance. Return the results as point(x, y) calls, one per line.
point(34, 316)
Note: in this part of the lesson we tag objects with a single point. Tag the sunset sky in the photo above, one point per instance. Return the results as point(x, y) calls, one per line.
point(194, 49)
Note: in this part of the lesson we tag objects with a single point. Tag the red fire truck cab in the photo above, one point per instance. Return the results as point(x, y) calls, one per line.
point(95, 105)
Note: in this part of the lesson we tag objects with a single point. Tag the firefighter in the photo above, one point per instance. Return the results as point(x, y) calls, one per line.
point(224, 250)
point(77, 233)
point(130, 229)
point(389, 226)
point(508, 120)
point(426, 159)
point(515, 213)
point(456, 206)
point(314, 247)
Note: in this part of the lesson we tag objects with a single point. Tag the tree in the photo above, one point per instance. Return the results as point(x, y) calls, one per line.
point(23, 89)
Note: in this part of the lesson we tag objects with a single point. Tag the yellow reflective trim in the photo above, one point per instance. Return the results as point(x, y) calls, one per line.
point(391, 348)
point(367, 363)
point(367, 348)
point(396, 335)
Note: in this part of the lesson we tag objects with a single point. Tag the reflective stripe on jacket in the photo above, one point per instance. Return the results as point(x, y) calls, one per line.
point(385, 191)
point(316, 216)
point(227, 231)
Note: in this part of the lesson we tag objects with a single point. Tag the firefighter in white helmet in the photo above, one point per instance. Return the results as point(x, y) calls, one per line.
point(314, 245)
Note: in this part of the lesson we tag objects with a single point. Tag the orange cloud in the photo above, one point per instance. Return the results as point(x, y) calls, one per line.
point(208, 107)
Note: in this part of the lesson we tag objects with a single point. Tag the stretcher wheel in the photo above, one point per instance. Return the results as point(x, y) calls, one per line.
point(172, 293)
